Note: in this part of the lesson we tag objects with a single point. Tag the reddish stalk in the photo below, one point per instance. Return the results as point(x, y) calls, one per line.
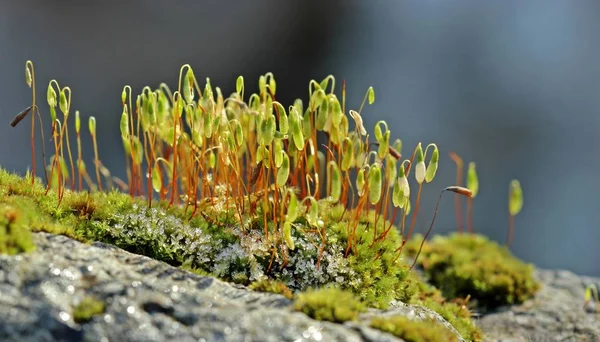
point(457, 199)
point(149, 170)
point(175, 154)
point(29, 66)
point(97, 162)
point(70, 158)
point(54, 137)
point(266, 202)
point(343, 96)
point(37, 111)
point(385, 232)
point(414, 218)
point(470, 215)
point(455, 189)
point(79, 175)
point(357, 212)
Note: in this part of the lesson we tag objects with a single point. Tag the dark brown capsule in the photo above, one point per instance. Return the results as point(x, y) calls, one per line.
point(20, 116)
point(392, 151)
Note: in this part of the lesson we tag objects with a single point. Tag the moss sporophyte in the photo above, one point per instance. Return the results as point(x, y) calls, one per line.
point(242, 188)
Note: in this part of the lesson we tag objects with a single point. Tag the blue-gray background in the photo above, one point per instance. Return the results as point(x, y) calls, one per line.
point(512, 85)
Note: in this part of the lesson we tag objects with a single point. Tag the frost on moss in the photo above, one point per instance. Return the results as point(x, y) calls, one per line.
point(413, 331)
point(463, 265)
point(329, 304)
point(369, 270)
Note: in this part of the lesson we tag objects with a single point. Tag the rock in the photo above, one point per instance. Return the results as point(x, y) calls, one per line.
point(147, 300)
point(556, 313)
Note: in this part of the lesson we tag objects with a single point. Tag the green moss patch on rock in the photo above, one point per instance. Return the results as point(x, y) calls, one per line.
point(87, 308)
point(329, 304)
point(462, 265)
point(456, 312)
point(378, 277)
point(15, 238)
point(272, 286)
point(413, 331)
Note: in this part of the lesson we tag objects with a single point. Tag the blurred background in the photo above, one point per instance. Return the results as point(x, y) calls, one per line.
point(512, 85)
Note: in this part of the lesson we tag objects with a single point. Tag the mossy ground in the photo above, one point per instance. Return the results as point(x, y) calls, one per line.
point(330, 304)
point(213, 244)
point(462, 265)
point(413, 331)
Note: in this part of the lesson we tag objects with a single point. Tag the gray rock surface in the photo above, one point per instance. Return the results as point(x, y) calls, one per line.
point(557, 313)
point(148, 300)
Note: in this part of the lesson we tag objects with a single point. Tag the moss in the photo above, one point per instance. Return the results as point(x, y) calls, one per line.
point(458, 315)
point(87, 308)
point(456, 312)
point(214, 244)
point(413, 331)
point(196, 271)
point(244, 217)
point(272, 286)
point(15, 238)
point(82, 205)
point(462, 265)
point(379, 277)
point(329, 304)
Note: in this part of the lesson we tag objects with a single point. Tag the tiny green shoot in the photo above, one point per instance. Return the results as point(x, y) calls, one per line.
point(515, 203)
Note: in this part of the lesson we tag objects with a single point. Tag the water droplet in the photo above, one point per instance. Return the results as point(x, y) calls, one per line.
point(68, 274)
point(136, 283)
point(64, 316)
point(107, 318)
point(55, 271)
point(130, 310)
point(227, 331)
point(70, 289)
point(175, 288)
